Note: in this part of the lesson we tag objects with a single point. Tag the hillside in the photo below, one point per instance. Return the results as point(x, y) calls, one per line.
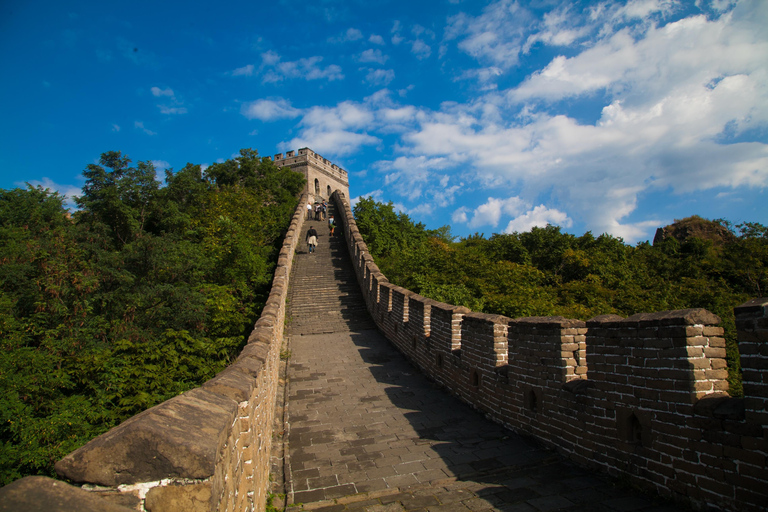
point(695, 227)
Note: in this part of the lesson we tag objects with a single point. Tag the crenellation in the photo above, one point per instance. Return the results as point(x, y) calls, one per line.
point(322, 176)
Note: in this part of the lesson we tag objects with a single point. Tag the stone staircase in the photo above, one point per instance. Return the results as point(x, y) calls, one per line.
point(325, 296)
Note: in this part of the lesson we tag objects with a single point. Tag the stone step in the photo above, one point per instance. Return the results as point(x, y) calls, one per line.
point(325, 296)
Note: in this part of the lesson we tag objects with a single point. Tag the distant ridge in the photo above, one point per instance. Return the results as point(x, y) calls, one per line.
point(694, 227)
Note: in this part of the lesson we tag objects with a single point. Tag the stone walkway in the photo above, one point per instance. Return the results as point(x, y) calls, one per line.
point(366, 431)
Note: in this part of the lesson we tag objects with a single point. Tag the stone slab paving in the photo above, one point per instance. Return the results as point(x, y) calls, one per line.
point(364, 430)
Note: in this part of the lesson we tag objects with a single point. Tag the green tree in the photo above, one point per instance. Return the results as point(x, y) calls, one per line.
point(146, 292)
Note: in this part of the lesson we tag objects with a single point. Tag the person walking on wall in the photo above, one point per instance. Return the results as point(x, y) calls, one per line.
point(325, 209)
point(309, 210)
point(318, 210)
point(311, 239)
point(331, 224)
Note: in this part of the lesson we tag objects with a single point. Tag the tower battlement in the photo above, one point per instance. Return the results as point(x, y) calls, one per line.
point(323, 176)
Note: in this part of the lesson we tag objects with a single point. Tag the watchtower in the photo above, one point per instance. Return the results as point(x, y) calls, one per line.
point(323, 177)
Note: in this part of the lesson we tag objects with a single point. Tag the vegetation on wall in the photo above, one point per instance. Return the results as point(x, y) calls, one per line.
point(144, 292)
point(695, 263)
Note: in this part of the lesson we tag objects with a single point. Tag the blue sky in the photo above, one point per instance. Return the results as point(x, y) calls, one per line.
point(488, 116)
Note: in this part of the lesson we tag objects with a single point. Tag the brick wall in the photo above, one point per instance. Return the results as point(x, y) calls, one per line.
point(643, 398)
point(204, 450)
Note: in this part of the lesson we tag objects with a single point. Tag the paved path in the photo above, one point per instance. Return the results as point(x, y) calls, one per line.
point(366, 431)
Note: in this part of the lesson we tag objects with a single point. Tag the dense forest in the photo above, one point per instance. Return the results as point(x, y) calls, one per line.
point(543, 272)
point(143, 292)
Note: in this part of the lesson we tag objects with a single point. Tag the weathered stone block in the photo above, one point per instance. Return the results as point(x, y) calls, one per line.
point(36, 493)
point(180, 498)
point(179, 438)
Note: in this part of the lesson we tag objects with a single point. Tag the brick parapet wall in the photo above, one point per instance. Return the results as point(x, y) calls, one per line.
point(205, 450)
point(752, 328)
point(643, 398)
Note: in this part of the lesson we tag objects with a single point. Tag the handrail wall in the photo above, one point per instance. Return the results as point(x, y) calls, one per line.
point(207, 449)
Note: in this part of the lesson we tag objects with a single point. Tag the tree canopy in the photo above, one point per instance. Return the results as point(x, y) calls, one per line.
point(144, 292)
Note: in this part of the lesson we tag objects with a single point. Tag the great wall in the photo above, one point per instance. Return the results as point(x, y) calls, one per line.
point(643, 399)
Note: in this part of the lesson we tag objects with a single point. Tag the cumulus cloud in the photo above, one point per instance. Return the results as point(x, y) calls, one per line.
point(269, 110)
point(496, 36)
point(420, 49)
point(376, 39)
point(310, 68)
point(379, 77)
point(459, 216)
point(157, 92)
point(352, 34)
point(338, 130)
point(373, 55)
point(540, 216)
point(489, 214)
point(506, 29)
point(670, 117)
point(244, 71)
point(664, 116)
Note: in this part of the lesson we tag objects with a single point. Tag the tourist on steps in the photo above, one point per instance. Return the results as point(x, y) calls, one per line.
point(309, 210)
point(331, 224)
point(311, 239)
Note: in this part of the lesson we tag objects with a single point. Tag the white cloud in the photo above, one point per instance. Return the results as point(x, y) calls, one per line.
point(410, 176)
point(140, 126)
point(556, 29)
point(338, 130)
point(270, 58)
point(540, 216)
point(310, 68)
point(495, 37)
point(373, 55)
point(459, 216)
point(352, 34)
point(396, 37)
point(175, 106)
point(115, 127)
point(161, 165)
point(376, 39)
point(158, 92)
point(244, 71)
point(379, 76)
point(489, 214)
point(165, 109)
point(269, 110)
point(671, 111)
point(420, 49)
point(443, 195)
point(483, 75)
